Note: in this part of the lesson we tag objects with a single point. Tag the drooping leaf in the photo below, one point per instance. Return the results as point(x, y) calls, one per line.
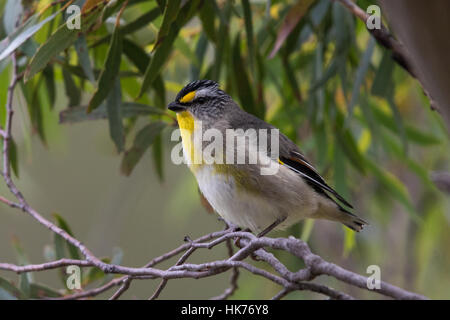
point(60, 222)
point(142, 142)
point(129, 109)
point(171, 10)
point(25, 278)
point(157, 152)
point(360, 74)
point(114, 110)
point(295, 13)
point(249, 33)
point(40, 291)
point(110, 72)
point(10, 291)
point(59, 41)
point(200, 51)
point(83, 58)
point(12, 12)
point(395, 187)
point(207, 16)
point(23, 33)
point(162, 53)
point(73, 93)
point(243, 87)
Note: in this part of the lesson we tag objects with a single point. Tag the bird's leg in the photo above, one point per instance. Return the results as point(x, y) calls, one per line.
point(271, 227)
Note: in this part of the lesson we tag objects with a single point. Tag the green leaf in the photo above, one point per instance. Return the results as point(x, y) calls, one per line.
point(109, 73)
point(49, 79)
point(142, 142)
point(360, 74)
point(73, 93)
point(200, 51)
point(294, 15)
point(113, 107)
point(133, 26)
point(170, 14)
point(8, 291)
point(83, 58)
point(136, 54)
point(95, 274)
point(25, 278)
point(207, 16)
point(59, 41)
point(383, 82)
point(243, 87)
point(222, 40)
point(23, 33)
point(157, 152)
point(12, 13)
point(184, 48)
point(292, 80)
point(129, 109)
point(39, 291)
point(60, 222)
point(394, 186)
point(249, 32)
point(13, 157)
point(163, 51)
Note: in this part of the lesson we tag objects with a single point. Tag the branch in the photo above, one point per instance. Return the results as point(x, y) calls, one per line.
point(385, 38)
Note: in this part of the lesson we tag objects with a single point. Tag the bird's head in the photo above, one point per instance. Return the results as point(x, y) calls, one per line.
point(202, 98)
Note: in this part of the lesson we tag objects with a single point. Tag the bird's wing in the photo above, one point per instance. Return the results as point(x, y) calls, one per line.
point(289, 155)
point(298, 163)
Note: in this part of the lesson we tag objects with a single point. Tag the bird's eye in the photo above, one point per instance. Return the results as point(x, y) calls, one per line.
point(201, 100)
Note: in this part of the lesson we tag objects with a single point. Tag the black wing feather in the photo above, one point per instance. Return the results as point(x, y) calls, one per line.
point(312, 178)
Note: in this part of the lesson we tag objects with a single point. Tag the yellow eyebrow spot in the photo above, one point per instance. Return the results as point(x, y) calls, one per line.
point(188, 97)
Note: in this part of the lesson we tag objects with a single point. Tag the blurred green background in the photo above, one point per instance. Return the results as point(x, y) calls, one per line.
point(354, 112)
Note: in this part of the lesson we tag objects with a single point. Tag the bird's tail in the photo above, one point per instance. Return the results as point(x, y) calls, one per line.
point(351, 221)
point(333, 211)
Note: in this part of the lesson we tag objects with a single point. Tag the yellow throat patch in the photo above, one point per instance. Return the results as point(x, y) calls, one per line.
point(186, 123)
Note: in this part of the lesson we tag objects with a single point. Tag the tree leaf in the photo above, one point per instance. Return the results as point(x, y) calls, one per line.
point(39, 291)
point(243, 87)
point(163, 51)
point(207, 16)
point(60, 40)
point(25, 278)
point(129, 109)
point(295, 13)
point(142, 142)
point(171, 10)
point(157, 152)
point(249, 32)
point(23, 33)
point(60, 222)
point(136, 55)
point(83, 57)
point(113, 107)
point(73, 93)
point(110, 72)
point(360, 74)
point(12, 12)
point(10, 292)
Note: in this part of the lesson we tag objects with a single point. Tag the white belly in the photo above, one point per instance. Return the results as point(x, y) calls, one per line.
point(241, 208)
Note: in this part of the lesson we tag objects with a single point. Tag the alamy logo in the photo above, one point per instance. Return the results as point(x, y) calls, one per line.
point(73, 282)
point(73, 13)
point(374, 281)
point(374, 19)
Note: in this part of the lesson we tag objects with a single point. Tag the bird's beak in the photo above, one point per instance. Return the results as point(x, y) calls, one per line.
point(177, 107)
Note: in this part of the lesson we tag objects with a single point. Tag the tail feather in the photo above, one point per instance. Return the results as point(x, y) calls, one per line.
point(351, 220)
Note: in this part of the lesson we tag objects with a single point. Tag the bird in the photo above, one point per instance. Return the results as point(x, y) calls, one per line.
point(239, 192)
